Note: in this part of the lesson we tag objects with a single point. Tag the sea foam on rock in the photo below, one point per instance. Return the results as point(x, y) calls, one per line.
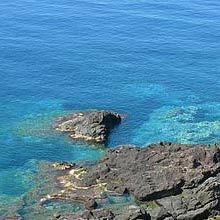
point(92, 126)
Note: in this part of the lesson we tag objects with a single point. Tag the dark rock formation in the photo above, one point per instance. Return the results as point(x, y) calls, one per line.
point(155, 171)
point(100, 214)
point(92, 126)
point(169, 181)
point(126, 213)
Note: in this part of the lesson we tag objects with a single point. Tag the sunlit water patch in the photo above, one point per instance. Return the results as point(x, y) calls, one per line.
point(184, 124)
point(30, 139)
point(15, 182)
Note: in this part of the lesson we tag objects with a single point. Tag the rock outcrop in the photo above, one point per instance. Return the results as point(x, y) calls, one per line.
point(131, 212)
point(91, 126)
point(168, 181)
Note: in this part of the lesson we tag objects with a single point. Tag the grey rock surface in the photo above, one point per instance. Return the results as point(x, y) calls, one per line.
point(166, 181)
point(125, 213)
point(91, 126)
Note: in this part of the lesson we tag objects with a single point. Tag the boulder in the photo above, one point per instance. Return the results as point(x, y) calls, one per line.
point(91, 126)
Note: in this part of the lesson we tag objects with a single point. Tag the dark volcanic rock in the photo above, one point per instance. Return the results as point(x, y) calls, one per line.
point(156, 171)
point(125, 213)
point(168, 181)
point(92, 126)
point(101, 214)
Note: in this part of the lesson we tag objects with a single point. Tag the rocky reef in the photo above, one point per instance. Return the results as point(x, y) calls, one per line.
point(91, 126)
point(167, 181)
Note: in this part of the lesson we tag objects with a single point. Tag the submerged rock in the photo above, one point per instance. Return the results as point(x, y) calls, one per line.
point(169, 181)
point(63, 165)
point(91, 126)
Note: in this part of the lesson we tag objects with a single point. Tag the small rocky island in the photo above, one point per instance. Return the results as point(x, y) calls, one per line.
point(91, 126)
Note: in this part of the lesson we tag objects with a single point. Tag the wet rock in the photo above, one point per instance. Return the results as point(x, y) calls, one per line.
point(91, 203)
point(63, 165)
point(91, 126)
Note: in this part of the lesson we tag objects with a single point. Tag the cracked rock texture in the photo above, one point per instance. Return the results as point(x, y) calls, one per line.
point(91, 126)
point(170, 181)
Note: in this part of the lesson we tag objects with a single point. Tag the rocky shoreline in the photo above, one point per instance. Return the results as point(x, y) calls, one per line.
point(162, 181)
point(168, 181)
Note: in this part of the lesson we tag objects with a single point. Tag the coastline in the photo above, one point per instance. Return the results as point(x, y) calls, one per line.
point(162, 181)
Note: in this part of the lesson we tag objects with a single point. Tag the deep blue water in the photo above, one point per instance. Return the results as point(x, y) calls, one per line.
point(156, 61)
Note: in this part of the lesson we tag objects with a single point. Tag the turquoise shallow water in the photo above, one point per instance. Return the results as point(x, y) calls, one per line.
point(155, 61)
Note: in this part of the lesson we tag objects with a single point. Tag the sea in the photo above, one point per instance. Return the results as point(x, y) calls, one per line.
point(155, 61)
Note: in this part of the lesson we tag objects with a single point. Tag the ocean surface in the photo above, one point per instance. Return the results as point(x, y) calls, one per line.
point(156, 61)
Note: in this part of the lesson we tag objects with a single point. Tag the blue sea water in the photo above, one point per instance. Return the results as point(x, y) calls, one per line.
point(156, 61)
